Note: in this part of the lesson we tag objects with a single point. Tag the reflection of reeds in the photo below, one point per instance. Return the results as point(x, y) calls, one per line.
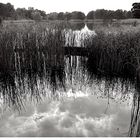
point(134, 130)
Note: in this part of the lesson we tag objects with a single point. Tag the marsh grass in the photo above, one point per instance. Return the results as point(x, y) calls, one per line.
point(114, 53)
point(34, 53)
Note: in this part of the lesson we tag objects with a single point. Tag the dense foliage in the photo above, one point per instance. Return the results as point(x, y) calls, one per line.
point(109, 14)
point(136, 10)
point(7, 11)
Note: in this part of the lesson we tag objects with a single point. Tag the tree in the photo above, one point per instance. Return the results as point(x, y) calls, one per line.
point(36, 16)
point(109, 14)
point(21, 13)
point(91, 15)
point(29, 12)
point(2, 8)
point(42, 13)
point(52, 16)
point(77, 15)
point(100, 14)
point(128, 14)
point(61, 16)
point(9, 10)
point(67, 16)
point(119, 14)
point(136, 10)
point(136, 5)
point(6, 10)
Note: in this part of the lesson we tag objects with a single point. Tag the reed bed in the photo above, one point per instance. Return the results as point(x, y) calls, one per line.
point(30, 52)
point(29, 47)
point(35, 53)
point(114, 53)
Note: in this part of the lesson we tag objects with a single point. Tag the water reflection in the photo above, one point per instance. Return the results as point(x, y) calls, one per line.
point(48, 93)
point(76, 37)
point(134, 130)
point(76, 26)
point(61, 98)
point(82, 116)
point(90, 26)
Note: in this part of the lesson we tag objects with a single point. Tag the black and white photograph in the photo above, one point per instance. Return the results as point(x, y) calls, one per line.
point(69, 68)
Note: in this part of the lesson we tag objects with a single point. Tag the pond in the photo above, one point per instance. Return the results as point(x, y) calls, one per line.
point(66, 99)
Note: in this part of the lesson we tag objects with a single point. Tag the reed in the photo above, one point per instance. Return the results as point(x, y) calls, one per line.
point(134, 130)
point(35, 52)
point(30, 52)
point(114, 53)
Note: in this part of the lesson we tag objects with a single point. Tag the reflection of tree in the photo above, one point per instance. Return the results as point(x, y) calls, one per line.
point(77, 25)
point(90, 26)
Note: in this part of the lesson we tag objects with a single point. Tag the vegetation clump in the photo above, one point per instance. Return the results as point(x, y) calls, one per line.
point(114, 53)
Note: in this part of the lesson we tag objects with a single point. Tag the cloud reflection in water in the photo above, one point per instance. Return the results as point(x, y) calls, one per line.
point(81, 116)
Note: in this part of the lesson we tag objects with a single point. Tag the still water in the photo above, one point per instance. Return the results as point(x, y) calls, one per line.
point(67, 100)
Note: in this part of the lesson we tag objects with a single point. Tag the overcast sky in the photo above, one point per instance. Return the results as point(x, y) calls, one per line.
point(72, 5)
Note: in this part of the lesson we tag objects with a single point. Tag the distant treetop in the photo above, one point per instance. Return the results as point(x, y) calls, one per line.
point(136, 10)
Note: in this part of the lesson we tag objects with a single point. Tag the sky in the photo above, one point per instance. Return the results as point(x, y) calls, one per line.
point(72, 5)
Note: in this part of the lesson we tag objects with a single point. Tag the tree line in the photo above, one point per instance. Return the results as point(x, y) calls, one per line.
point(7, 11)
point(98, 14)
